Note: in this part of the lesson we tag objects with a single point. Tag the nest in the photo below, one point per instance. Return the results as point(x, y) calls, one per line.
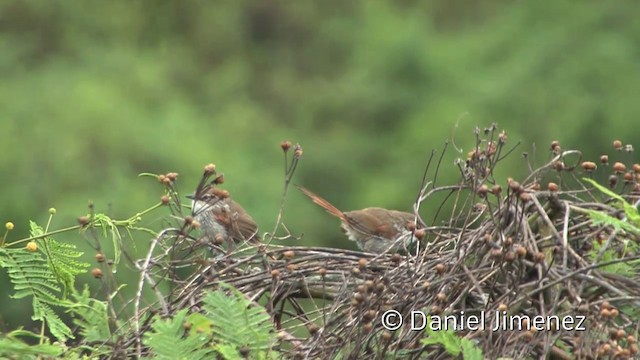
point(522, 252)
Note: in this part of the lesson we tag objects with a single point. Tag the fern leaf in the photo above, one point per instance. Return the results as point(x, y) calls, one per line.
point(90, 315)
point(11, 346)
point(237, 322)
point(61, 258)
point(167, 340)
point(32, 277)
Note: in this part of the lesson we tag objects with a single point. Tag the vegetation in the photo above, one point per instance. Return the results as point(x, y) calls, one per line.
point(92, 95)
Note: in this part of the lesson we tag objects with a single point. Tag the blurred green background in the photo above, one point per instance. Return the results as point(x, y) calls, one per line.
point(94, 93)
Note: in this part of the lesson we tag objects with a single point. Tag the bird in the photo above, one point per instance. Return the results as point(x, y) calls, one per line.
point(375, 230)
point(222, 219)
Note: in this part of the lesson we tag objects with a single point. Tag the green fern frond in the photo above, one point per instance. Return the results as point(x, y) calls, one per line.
point(90, 315)
point(61, 258)
point(11, 346)
point(31, 276)
point(631, 212)
point(169, 340)
point(238, 323)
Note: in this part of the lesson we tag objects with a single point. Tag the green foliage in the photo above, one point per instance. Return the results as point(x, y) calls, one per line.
point(631, 224)
point(237, 324)
point(229, 323)
point(452, 343)
point(13, 347)
point(169, 339)
point(31, 276)
point(61, 258)
point(632, 221)
point(620, 268)
point(90, 315)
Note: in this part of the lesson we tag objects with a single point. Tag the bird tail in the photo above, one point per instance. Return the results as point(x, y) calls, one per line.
point(323, 203)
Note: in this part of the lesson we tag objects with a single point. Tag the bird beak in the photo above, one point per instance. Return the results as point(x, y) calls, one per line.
point(191, 196)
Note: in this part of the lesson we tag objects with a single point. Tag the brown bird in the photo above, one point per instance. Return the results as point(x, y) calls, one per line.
point(222, 219)
point(374, 229)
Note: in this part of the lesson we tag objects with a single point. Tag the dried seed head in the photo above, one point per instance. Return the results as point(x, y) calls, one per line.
point(619, 167)
point(604, 159)
point(628, 177)
point(291, 267)
point(521, 251)
point(554, 145)
point(419, 234)
point(322, 271)
point(636, 168)
point(275, 273)
point(631, 339)
point(613, 181)
point(172, 176)
point(298, 152)
point(539, 257)
point(362, 262)
point(411, 225)
point(188, 220)
point(617, 144)
point(442, 297)
point(289, 254)
point(210, 169)
point(218, 239)
point(614, 313)
point(553, 187)
point(496, 189)
point(220, 193)
point(426, 285)
point(525, 196)
point(508, 241)
point(100, 257)
point(436, 310)
point(219, 179)
point(387, 336)
point(605, 305)
point(440, 268)
point(164, 199)
point(496, 253)
point(369, 315)
point(285, 145)
point(514, 186)
point(161, 178)
point(96, 273)
point(589, 166)
point(502, 307)
point(313, 328)
point(510, 256)
point(367, 327)
point(502, 137)
point(483, 190)
point(83, 220)
point(558, 165)
point(396, 258)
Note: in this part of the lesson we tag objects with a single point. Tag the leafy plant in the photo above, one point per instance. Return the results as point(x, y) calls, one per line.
point(169, 339)
point(452, 343)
